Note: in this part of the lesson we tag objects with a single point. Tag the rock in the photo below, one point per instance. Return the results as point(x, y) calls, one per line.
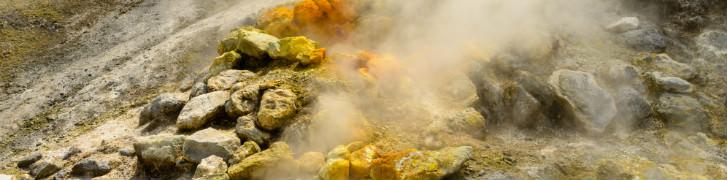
point(70, 152)
point(525, 107)
point(588, 105)
point(159, 152)
point(247, 149)
point(225, 79)
point(335, 169)
point(22, 177)
point(259, 165)
point(127, 151)
point(299, 49)
point(620, 74)
point(210, 166)
point(198, 88)
point(682, 112)
point(670, 84)
point(31, 158)
point(624, 24)
point(44, 168)
point(202, 109)
point(164, 109)
point(361, 161)
point(414, 164)
point(276, 108)
point(91, 167)
point(646, 39)
point(243, 101)
point(210, 142)
point(632, 106)
point(666, 65)
point(246, 130)
point(713, 44)
point(254, 43)
point(311, 162)
point(228, 60)
point(460, 91)
point(612, 170)
point(469, 121)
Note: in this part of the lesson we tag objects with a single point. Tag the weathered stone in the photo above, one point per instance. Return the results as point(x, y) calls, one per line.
point(127, 151)
point(682, 112)
point(31, 158)
point(246, 130)
point(646, 39)
point(210, 142)
point(469, 121)
point(589, 106)
point(276, 108)
point(228, 60)
point(361, 161)
point(247, 149)
point(225, 79)
point(22, 177)
point(202, 109)
point(632, 106)
point(311, 162)
point(70, 152)
point(624, 24)
point(665, 64)
point(256, 44)
point(411, 164)
point(525, 107)
point(198, 88)
point(159, 151)
point(164, 109)
point(335, 169)
point(44, 168)
point(299, 49)
point(210, 166)
point(243, 101)
point(671, 84)
point(92, 167)
point(713, 44)
point(259, 165)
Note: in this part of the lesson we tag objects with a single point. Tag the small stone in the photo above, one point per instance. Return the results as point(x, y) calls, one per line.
point(211, 165)
point(624, 24)
point(665, 64)
point(225, 79)
point(127, 151)
point(247, 149)
point(164, 109)
point(44, 168)
point(243, 101)
point(26, 161)
point(202, 109)
point(682, 112)
point(70, 152)
point(253, 43)
point(276, 108)
point(246, 130)
point(227, 60)
point(261, 164)
point(671, 84)
point(298, 49)
point(92, 168)
point(210, 142)
point(159, 151)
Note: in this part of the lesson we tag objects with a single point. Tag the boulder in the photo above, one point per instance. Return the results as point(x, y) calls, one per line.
point(259, 165)
point(671, 84)
point(29, 159)
point(246, 130)
point(159, 152)
point(335, 169)
point(713, 44)
point(460, 91)
point(210, 167)
point(225, 79)
point(665, 64)
point(299, 49)
point(525, 107)
point(91, 167)
point(589, 106)
point(682, 112)
point(254, 43)
point(646, 39)
point(311, 162)
point(45, 168)
point(243, 101)
point(412, 164)
point(228, 60)
point(624, 24)
point(469, 121)
point(202, 109)
point(246, 150)
point(70, 152)
point(210, 142)
point(633, 107)
point(361, 161)
point(277, 107)
point(164, 109)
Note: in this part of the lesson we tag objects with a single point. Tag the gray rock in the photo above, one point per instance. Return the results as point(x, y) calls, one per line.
point(632, 106)
point(247, 131)
point(671, 84)
point(588, 105)
point(525, 107)
point(646, 39)
point(159, 151)
point(246, 150)
point(44, 168)
point(225, 79)
point(665, 64)
point(243, 102)
point(624, 24)
point(211, 166)
point(210, 142)
point(164, 109)
point(682, 112)
point(127, 151)
point(70, 152)
point(276, 108)
point(31, 158)
point(198, 88)
point(202, 109)
point(91, 167)
point(713, 44)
